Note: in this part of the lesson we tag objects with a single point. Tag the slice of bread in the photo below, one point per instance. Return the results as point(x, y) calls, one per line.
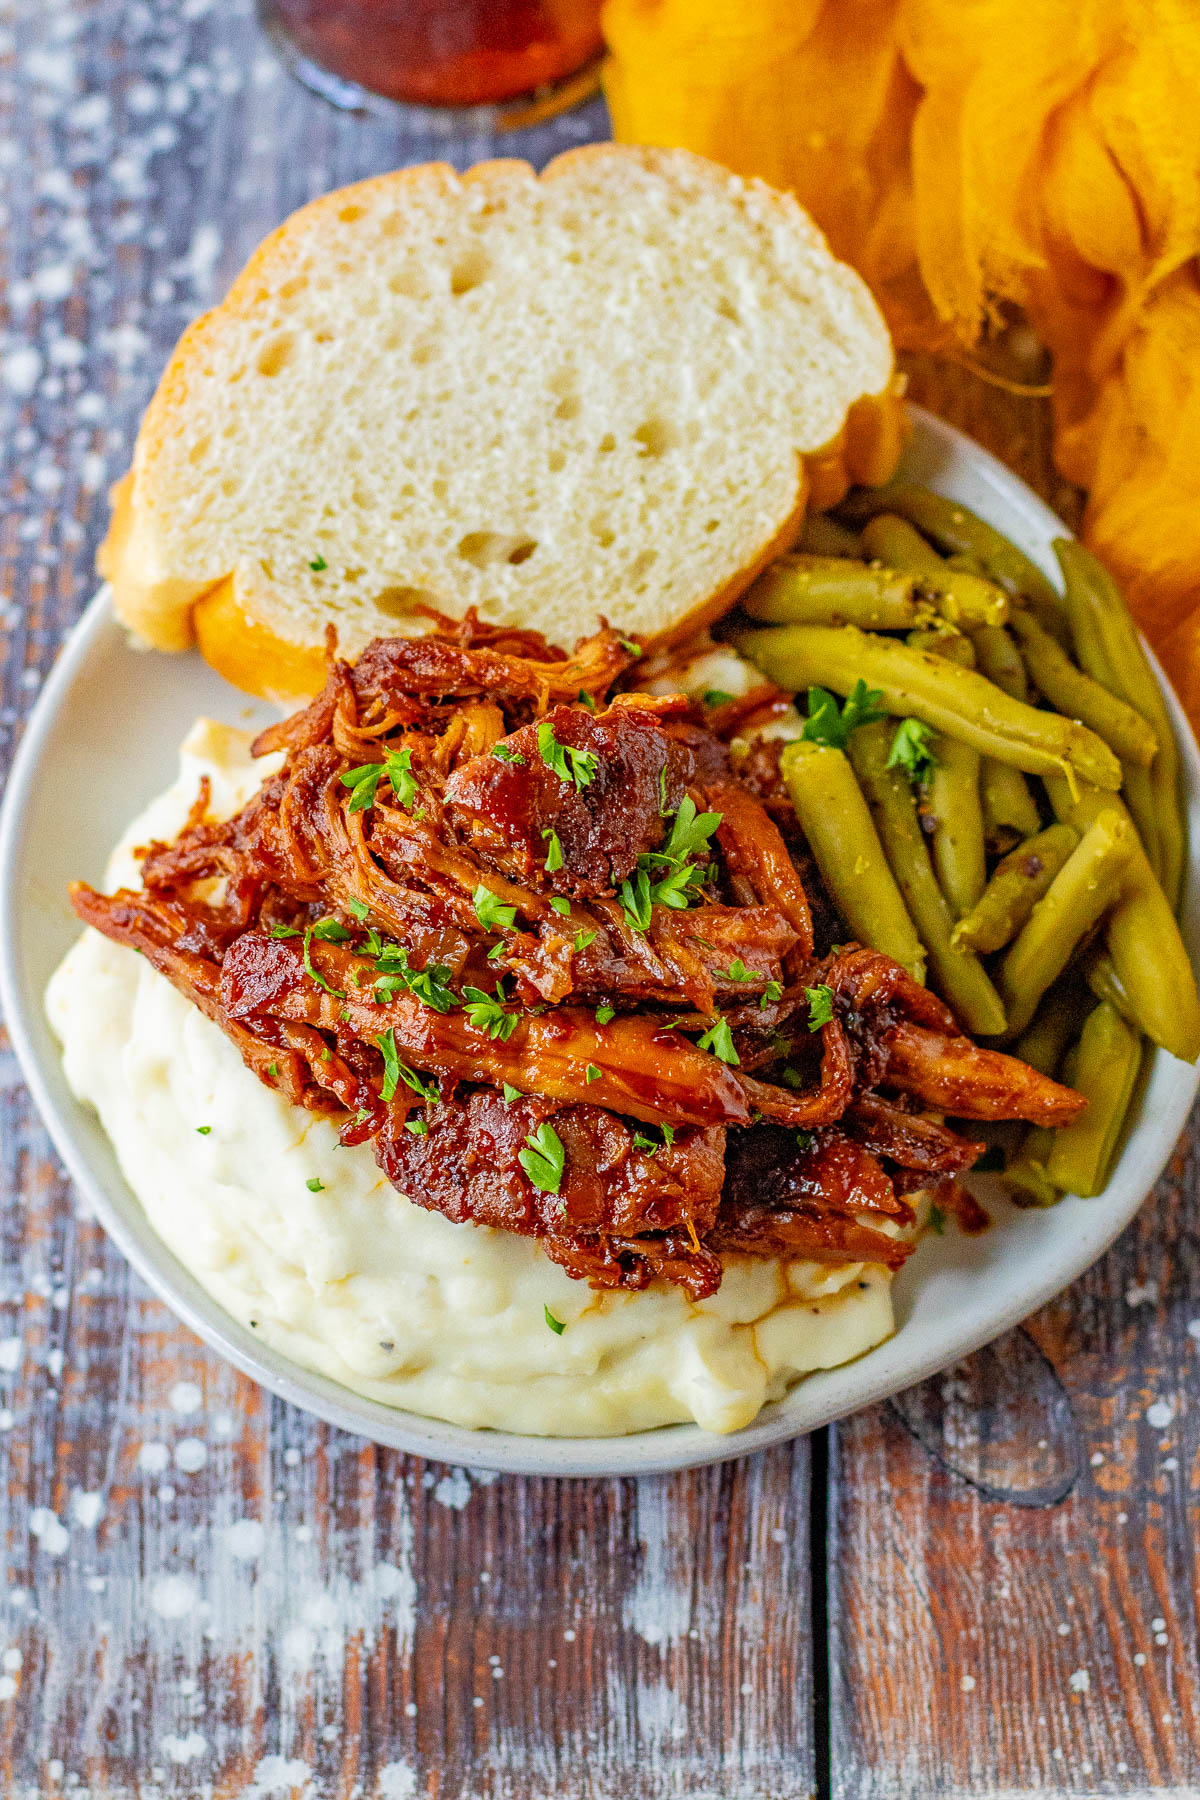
point(590, 393)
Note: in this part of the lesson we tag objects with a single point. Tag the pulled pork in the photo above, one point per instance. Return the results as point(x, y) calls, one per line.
point(533, 939)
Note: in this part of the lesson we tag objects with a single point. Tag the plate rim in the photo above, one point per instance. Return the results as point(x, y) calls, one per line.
point(660, 1450)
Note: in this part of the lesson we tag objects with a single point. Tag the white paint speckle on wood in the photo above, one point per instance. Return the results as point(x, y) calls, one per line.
point(185, 1397)
point(49, 1530)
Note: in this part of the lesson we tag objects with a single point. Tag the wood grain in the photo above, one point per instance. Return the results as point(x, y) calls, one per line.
point(208, 1593)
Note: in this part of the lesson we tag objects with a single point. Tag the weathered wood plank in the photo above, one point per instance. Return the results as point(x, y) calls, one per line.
point(981, 1642)
point(206, 1592)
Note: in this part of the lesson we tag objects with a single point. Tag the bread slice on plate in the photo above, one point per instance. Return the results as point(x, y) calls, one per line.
point(601, 392)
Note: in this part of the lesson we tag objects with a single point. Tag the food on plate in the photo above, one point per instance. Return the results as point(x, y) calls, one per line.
point(1018, 810)
point(305, 1242)
point(605, 391)
point(578, 1039)
point(520, 933)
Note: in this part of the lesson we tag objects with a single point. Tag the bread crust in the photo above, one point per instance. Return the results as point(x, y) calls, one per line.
point(171, 613)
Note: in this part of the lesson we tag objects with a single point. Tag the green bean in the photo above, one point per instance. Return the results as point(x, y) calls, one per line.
point(997, 657)
point(823, 536)
point(1110, 649)
point(962, 598)
point(1043, 1043)
point(1143, 937)
point(916, 684)
point(1085, 888)
point(952, 801)
point(842, 836)
point(970, 565)
point(1101, 976)
point(951, 644)
point(1105, 1070)
point(952, 798)
point(1079, 697)
point(1017, 884)
point(1026, 1175)
point(1009, 810)
point(1137, 791)
point(953, 528)
point(832, 590)
point(959, 976)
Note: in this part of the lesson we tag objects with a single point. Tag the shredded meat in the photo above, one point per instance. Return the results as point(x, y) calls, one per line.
point(507, 810)
point(536, 943)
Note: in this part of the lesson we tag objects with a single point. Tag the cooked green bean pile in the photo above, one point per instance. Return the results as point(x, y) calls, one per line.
point(997, 804)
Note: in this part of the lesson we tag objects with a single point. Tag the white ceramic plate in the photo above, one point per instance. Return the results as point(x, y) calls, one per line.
point(102, 741)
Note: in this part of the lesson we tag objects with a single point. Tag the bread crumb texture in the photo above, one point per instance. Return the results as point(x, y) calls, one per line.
point(560, 398)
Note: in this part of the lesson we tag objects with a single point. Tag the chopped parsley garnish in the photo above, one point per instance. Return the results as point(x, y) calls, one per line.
point(719, 1039)
point(557, 1326)
point(628, 645)
point(604, 1014)
point(507, 755)
point(689, 834)
point(592, 1072)
point(284, 931)
point(364, 780)
point(937, 1220)
point(583, 939)
point(737, 971)
point(637, 899)
point(585, 699)
point(568, 764)
point(773, 991)
point(359, 909)
point(791, 1077)
point(394, 1071)
point(912, 749)
point(542, 1158)
point(332, 931)
point(428, 985)
point(561, 906)
point(512, 1093)
point(826, 724)
point(820, 1006)
point(491, 912)
point(272, 1068)
point(315, 931)
point(315, 1185)
point(399, 773)
point(804, 1140)
point(418, 1127)
point(664, 810)
point(649, 1146)
point(318, 563)
point(204, 1130)
point(679, 879)
point(716, 697)
point(554, 856)
point(488, 1015)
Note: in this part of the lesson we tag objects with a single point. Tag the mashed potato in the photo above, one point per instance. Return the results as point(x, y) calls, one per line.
point(307, 1244)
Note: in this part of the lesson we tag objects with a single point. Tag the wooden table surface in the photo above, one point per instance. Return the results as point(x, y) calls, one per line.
point(986, 1588)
